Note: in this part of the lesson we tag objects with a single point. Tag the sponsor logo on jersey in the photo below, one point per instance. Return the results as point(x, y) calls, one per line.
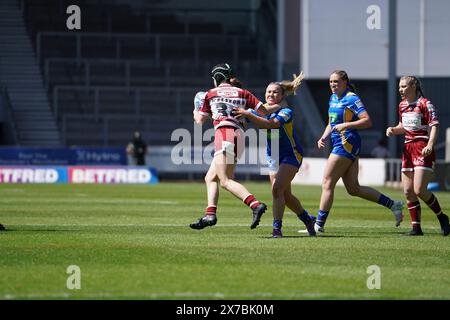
point(412, 121)
point(432, 111)
point(336, 105)
point(333, 117)
point(284, 115)
point(238, 102)
point(227, 93)
point(419, 161)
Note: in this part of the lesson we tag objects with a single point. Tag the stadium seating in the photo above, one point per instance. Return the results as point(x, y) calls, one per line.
point(134, 69)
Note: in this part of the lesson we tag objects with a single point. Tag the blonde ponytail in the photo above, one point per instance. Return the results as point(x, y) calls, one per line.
point(290, 87)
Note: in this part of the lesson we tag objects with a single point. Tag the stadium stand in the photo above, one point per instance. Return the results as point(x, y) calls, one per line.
point(135, 68)
point(20, 73)
point(142, 61)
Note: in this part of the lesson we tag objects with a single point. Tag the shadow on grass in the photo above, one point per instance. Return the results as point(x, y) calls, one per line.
point(308, 237)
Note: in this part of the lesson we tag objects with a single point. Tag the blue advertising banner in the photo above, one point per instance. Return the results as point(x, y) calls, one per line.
point(41, 174)
point(98, 156)
point(62, 156)
point(101, 175)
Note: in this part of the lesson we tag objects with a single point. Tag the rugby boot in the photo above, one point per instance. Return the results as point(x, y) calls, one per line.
point(203, 222)
point(257, 214)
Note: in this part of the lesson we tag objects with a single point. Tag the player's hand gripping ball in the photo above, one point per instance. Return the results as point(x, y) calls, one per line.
point(199, 99)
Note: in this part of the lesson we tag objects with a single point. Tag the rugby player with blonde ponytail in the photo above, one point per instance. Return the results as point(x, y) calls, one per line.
point(284, 164)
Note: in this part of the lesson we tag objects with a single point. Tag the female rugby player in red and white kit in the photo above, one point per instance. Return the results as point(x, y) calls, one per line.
point(228, 141)
point(419, 123)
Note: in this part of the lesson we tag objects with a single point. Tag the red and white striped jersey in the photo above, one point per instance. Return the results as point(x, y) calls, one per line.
point(417, 118)
point(220, 101)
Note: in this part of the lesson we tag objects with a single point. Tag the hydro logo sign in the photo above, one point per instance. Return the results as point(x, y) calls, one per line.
point(75, 174)
point(132, 175)
point(33, 175)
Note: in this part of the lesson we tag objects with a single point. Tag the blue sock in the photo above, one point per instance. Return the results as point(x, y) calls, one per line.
point(322, 217)
point(385, 201)
point(304, 217)
point(277, 224)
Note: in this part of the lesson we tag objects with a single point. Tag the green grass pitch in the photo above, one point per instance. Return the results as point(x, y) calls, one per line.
point(133, 242)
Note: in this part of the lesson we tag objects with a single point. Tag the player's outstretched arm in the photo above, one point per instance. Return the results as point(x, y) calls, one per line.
point(259, 121)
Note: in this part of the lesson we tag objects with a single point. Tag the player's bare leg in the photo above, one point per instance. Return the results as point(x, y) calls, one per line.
point(350, 179)
point(413, 203)
point(212, 185)
point(421, 180)
point(335, 168)
point(212, 189)
point(293, 203)
point(225, 171)
point(279, 183)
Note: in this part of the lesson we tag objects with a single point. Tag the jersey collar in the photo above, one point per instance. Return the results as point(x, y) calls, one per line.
point(414, 102)
point(344, 94)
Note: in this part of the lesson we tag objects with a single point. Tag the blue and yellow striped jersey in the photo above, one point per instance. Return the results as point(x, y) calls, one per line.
point(289, 144)
point(345, 109)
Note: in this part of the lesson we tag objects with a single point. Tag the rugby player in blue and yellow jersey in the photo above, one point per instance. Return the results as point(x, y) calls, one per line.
point(347, 115)
point(285, 162)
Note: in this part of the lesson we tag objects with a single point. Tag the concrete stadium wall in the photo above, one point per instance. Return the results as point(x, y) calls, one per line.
point(340, 39)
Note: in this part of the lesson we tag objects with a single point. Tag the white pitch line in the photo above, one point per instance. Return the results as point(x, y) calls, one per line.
point(192, 295)
point(88, 201)
point(223, 225)
point(132, 225)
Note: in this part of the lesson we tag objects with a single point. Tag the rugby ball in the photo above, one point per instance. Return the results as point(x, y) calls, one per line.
point(199, 99)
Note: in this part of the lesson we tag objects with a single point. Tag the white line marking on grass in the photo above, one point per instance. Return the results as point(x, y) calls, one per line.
point(188, 295)
point(88, 201)
point(13, 190)
point(129, 225)
point(79, 225)
point(225, 225)
point(184, 225)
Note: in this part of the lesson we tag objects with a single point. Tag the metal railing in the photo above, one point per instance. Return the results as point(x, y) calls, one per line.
point(187, 16)
point(173, 95)
point(128, 66)
point(103, 125)
point(393, 172)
